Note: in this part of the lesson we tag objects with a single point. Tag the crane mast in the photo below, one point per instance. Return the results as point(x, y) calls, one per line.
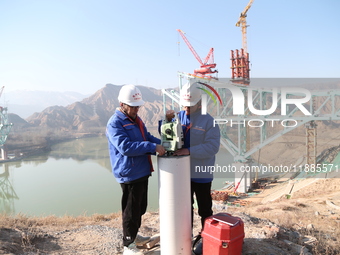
point(240, 71)
point(242, 22)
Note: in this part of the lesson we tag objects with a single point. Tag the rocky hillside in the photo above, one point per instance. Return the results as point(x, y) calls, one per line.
point(93, 112)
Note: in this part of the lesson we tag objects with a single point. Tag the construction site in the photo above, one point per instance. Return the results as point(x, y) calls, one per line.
point(260, 123)
point(261, 127)
point(251, 118)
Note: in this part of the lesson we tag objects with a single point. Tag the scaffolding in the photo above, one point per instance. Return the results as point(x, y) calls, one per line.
point(311, 143)
point(240, 67)
point(5, 128)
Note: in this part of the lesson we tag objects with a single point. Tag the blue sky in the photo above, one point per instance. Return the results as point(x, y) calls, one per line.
point(81, 45)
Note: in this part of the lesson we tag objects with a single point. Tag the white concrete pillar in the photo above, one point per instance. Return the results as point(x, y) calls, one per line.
point(174, 205)
point(3, 154)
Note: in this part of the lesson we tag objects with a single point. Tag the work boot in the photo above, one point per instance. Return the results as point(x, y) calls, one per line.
point(141, 240)
point(132, 250)
point(197, 247)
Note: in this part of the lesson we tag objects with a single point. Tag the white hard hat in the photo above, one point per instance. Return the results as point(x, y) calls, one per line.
point(130, 95)
point(190, 94)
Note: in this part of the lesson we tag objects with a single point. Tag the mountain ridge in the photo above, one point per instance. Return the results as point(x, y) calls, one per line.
point(91, 114)
point(24, 102)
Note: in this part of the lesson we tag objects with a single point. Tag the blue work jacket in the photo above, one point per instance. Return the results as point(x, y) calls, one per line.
point(128, 150)
point(203, 141)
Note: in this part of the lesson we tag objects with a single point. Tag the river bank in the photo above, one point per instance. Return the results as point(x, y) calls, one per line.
point(16, 151)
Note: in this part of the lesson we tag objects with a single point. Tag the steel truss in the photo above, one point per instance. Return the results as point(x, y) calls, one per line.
point(5, 125)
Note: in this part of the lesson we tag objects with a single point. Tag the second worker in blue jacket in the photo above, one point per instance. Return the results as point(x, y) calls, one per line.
point(201, 142)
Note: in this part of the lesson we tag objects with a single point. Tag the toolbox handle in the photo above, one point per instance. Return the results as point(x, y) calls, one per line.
point(229, 223)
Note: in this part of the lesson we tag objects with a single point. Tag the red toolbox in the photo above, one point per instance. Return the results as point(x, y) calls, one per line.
point(223, 234)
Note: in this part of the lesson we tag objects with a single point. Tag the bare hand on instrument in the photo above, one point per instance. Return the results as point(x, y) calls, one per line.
point(160, 150)
point(182, 152)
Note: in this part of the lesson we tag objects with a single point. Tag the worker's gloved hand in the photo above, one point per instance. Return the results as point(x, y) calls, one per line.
point(182, 152)
point(160, 150)
point(170, 114)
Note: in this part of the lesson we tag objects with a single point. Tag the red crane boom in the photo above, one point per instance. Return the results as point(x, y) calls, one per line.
point(208, 63)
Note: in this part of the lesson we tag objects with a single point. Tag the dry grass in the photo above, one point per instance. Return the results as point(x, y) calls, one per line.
point(326, 231)
point(307, 213)
point(263, 209)
point(322, 187)
point(30, 230)
point(24, 222)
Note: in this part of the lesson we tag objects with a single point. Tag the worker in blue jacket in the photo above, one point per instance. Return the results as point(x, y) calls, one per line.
point(130, 148)
point(201, 142)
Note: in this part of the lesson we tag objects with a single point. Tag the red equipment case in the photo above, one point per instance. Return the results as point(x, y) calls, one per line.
point(223, 234)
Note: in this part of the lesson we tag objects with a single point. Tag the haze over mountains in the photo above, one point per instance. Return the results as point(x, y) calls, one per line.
point(24, 103)
point(88, 114)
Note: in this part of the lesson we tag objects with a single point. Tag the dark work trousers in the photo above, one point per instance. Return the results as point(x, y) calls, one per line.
point(202, 192)
point(134, 204)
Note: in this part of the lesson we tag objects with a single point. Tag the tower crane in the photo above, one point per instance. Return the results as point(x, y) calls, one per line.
point(240, 71)
point(207, 64)
point(243, 24)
